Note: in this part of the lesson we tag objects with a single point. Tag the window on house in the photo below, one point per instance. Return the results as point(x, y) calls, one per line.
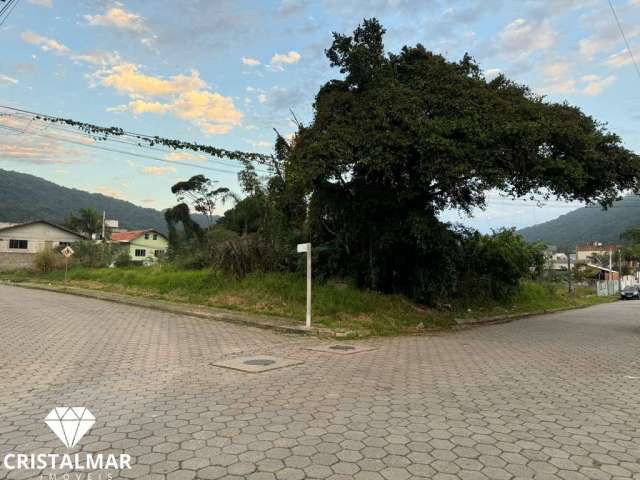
point(141, 252)
point(64, 244)
point(155, 236)
point(158, 253)
point(22, 244)
point(146, 236)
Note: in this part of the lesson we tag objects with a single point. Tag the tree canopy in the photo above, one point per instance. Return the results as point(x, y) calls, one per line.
point(404, 136)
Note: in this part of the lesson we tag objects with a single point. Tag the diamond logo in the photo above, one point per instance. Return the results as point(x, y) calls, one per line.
point(70, 424)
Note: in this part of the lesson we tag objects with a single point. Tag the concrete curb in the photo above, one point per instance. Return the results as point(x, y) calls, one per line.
point(470, 322)
point(278, 324)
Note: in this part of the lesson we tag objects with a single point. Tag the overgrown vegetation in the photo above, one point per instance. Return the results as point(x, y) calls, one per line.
point(335, 304)
point(395, 142)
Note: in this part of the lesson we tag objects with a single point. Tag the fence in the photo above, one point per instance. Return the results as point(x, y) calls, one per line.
point(605, 288)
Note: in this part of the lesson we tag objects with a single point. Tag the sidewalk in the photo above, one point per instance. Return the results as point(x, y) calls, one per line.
point(279, 324)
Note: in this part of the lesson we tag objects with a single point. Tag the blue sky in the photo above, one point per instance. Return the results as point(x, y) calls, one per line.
point(227, 73)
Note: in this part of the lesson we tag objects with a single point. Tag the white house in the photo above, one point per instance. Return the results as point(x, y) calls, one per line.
point(19, 243)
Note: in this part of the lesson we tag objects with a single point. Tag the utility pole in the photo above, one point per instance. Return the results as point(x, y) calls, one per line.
point(569, 271)
point(610, 273)
point(104, 216)
point(619, 271)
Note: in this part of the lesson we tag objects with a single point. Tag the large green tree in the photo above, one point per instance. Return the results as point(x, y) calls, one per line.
point(404, 136)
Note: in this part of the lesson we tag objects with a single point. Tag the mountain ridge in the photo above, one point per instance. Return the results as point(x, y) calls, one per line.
point(25, 197)
point(587, 224)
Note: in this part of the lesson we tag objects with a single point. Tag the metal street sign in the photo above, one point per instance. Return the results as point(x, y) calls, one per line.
point(67, 251)
point(304, 247)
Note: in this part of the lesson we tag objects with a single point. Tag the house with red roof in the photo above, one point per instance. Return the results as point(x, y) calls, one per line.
point(143, 245)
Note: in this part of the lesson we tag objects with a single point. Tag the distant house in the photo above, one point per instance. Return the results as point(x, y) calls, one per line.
point(142, 244)
point(604, 273)
point(585, 253)
point(20, 242)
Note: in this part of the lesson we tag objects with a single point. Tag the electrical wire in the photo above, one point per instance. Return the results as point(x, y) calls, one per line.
point(624, 37)
point(134, 142)
point(13, 4)
point(146, 137)
point(72, 131)
point(123, 152)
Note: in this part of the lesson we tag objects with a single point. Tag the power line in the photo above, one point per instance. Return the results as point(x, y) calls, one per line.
point(264, 170)
point(633, 58)
point(123, 152)
point(259, 158)
point(11, 4)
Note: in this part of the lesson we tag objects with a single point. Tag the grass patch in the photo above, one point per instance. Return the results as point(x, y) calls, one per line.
point(336, 304)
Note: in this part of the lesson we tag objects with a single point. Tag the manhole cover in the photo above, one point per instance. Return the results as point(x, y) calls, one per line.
point(342, 347)
point(259, 361)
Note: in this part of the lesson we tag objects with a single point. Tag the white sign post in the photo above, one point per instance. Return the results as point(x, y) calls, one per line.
point(67, 252)
point(302, 248)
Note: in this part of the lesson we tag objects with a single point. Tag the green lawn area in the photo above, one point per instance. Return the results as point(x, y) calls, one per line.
point(335, 304)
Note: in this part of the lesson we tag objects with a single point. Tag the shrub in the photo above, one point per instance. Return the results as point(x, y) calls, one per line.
point(47, 261)
point(92, 254)
point(123, 259)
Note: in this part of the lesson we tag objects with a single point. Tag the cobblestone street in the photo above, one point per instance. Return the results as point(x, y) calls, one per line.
point(555, 396)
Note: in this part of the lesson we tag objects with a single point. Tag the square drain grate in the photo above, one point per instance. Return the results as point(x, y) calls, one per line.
point(257, 363)
point(342, 348)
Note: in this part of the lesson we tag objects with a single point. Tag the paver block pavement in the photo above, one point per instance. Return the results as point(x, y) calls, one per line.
point(554, 396)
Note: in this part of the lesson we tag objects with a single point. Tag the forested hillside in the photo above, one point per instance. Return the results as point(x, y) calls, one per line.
point(26, 197)
point(588, 224)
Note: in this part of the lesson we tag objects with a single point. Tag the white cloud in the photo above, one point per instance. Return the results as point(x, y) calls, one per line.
point(45, 44)
point(110, 192)
point(158, 170)
point(492, 73)
point(185, 96)
point(42, 3)
point(605, 34)
point(35, 149)
point(590, 85)
point(620, 59)
point(7, 80)
point(118, 18)
point(261, 144)
point(521, 37)
point(180, 156)
point(251, 62)
point(98, 58)
point(288, 58)
point(262, 98)
point(555, 69)
point(594, 84)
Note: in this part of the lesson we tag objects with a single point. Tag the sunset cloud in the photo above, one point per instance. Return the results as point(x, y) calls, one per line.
point(119, 18)
point(45, 44)
point(127, 78)
point(184, 96)
point(285, 58)
point(110, 192)
point(179, 156)
point(251, 62)
point(158, 170)
point(594, 84)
